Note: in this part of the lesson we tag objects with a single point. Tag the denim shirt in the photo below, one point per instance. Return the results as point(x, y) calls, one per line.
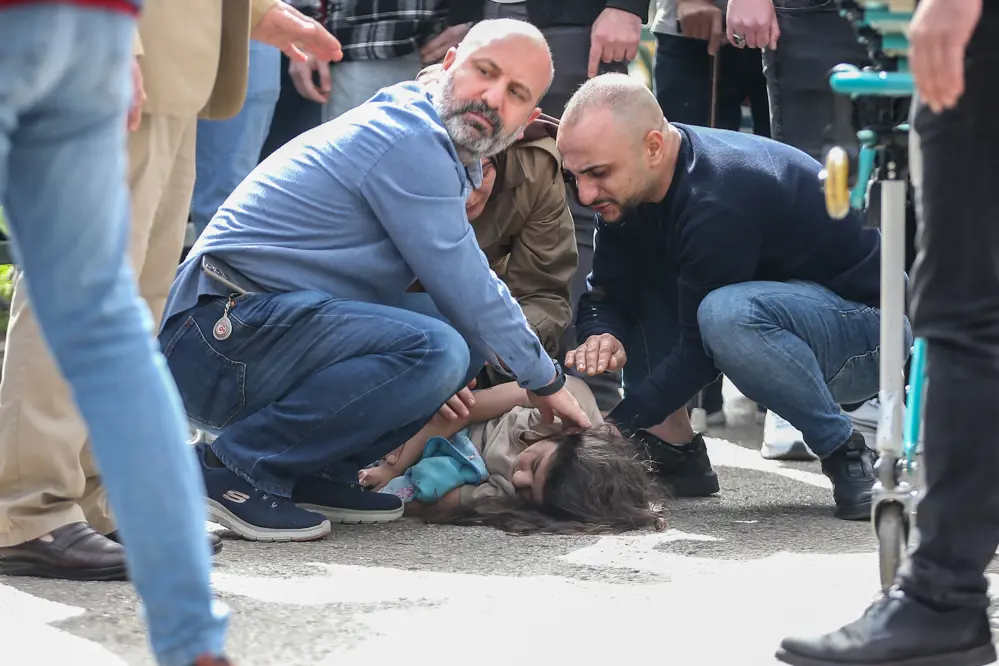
point(359, 208)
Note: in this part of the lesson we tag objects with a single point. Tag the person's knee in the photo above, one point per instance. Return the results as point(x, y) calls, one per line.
point(447, 359)
point(719, 318)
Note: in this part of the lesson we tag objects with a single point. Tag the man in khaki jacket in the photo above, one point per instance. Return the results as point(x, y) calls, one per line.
point(524, 227)
point(193, 58)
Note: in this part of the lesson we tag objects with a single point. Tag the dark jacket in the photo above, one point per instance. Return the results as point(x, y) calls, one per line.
point(741, 208)
point(551, 13)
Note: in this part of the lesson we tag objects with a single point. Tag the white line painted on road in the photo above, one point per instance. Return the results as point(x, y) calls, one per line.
point(25, 633)
point(727, 454)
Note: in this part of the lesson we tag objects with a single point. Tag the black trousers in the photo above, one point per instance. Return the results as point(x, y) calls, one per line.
point(955, 307)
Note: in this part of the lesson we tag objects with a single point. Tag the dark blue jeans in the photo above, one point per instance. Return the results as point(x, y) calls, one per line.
point(795, 347)
point(311, 385)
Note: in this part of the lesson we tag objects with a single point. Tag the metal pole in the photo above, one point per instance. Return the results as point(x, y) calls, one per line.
point(892, 393)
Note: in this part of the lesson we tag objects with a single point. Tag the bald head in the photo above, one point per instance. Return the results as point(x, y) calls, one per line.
point(628, 101)
point(515, 35)
point(617, 145)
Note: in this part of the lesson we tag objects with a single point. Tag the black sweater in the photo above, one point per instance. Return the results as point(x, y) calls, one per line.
point(740, 208)
point(550, 13)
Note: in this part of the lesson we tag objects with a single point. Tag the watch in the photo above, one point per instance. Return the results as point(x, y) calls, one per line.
point(555, 386)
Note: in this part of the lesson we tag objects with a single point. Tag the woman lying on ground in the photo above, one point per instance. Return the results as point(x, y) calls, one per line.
point(501, 466)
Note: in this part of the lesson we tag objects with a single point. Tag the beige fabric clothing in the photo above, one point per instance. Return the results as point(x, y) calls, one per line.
point(195, 55)
point(502, 439)
point(47, 473)
point(194, 61)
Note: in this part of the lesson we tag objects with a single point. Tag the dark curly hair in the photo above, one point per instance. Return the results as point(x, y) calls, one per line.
point(598, 483)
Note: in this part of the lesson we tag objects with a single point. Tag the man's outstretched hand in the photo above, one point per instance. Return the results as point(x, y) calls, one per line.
point(561, 404)
point(600, 353)
point(296, 35)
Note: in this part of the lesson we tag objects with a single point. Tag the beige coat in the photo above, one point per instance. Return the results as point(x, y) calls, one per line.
point(195, 55)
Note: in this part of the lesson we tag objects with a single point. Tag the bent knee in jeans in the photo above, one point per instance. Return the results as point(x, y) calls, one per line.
point(784, 330)
point(276, 341)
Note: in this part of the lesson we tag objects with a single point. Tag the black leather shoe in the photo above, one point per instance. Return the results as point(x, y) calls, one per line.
point(685, 471)
point(214, 540)
point(851, 470)
point(898, 630)
point(76, 552)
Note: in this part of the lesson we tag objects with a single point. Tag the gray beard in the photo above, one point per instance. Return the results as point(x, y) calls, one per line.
point(468, 139)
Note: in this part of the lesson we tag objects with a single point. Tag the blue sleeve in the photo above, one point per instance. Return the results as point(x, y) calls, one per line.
point(716, 247)
point(415, 190)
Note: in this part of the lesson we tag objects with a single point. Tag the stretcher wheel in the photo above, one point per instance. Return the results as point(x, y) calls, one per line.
point(835, 179)
point(893, 531)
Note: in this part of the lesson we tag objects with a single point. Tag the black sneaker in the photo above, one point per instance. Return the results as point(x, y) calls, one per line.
point(851, 470)
point(685, 471)
point(899, 630)
point(346, 503)
point(254, 514)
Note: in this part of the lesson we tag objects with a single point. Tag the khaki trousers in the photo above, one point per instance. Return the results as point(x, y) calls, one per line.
point(48, 476)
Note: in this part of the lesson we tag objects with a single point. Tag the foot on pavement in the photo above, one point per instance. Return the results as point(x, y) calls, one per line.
point(72, 552)
point(899, 630)
point(685, 471)
point(251, 513)
point(346, 503)
point(851, 470)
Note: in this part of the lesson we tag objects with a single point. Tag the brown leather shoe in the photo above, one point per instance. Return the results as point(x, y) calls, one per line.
point(76, 552)
point(214, 540)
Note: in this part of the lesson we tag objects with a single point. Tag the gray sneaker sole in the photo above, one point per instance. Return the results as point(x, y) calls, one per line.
point(219, 514)
point(354, 516)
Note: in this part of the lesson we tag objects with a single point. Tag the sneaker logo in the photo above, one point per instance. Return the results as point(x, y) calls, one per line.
point(235, 496)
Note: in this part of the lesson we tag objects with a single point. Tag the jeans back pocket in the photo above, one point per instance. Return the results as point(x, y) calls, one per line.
point(212, 386)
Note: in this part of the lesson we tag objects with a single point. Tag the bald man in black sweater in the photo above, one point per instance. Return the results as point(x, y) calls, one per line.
point(714, 254)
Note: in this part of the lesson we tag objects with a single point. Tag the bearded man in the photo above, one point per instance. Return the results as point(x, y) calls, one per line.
point(309, 359)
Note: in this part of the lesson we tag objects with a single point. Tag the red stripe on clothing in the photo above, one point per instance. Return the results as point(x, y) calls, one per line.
point(110, 5)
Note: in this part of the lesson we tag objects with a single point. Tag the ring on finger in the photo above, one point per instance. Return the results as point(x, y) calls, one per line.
point(739, 40)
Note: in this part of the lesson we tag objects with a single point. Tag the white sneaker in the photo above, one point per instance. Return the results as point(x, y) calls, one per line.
point(867, 415)
point(782, 441)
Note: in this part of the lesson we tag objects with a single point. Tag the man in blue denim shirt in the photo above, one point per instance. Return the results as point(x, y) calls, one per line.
point(328, 363)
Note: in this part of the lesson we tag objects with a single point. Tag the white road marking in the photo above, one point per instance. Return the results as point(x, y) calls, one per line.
point(25, 634)
point(727, 454)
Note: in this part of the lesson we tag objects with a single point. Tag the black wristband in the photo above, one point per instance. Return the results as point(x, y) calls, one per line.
point(556, 384)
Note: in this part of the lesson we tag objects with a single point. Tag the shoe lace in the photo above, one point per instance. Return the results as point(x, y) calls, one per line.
point(267, 496)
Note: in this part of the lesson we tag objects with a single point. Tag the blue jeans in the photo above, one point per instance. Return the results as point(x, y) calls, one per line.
point(311, 385)
point(228, 150)
point(66, 88)
point(795, 347)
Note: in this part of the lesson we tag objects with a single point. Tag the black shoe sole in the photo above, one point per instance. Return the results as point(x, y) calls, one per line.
point(37, 570)
point(702, 486)
point(979, 656)
point(857, 512)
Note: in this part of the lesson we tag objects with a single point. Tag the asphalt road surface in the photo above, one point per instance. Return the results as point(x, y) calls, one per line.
point(731, 576)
